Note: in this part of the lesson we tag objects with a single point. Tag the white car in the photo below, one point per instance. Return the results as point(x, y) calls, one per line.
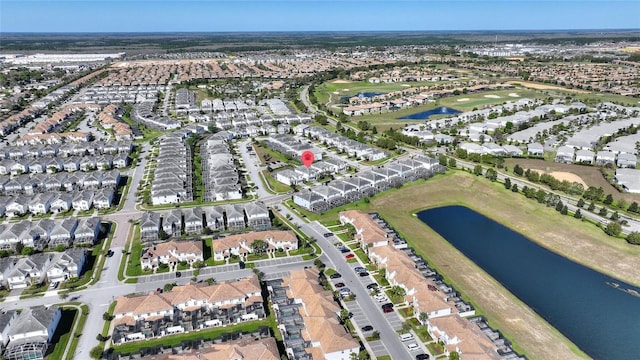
point(413, 346)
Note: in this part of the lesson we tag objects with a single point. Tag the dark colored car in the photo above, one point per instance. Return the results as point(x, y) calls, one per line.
point(335, 276)
point(159, 290)
point(339, 285)
point(387, 310)
point(372, 286)
point(328, 234)
point(364, 273)
point(178, 274)
point(422, 356)
point(345, 250)
point(367, 328)
point(241, 264)
point(387, 306)
point(110, 253)
point(349, 256)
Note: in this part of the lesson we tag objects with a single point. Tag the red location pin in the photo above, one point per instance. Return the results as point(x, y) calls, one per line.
point(307, 158)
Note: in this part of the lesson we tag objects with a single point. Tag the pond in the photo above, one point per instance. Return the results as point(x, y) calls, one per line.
point(424, 115)
point(596, 312)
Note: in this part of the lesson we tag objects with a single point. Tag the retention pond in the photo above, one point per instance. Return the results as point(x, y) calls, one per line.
point(599, 314)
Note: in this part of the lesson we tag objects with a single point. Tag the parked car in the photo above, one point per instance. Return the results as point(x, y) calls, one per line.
point(363, 274)
point(387, 310)
point(339, 285)
point(335, 276)
point(359, 269)
point(349, 256)
point(422, 356)
point(372, 286)
point(387, 305)
point(328, 234)
point(159, 290)
point(344, 250)
point(413, 347)
point(178, 274)
point(110, 253)
point(367, 328)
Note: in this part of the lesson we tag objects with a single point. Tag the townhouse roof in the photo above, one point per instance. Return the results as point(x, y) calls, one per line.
point(166, 248)
point(368, 230)
point(234, 241)
point(245, 349)
point(472, 342)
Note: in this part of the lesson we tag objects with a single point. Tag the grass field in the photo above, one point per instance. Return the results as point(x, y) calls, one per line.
point(590, 174)
point(581, 242)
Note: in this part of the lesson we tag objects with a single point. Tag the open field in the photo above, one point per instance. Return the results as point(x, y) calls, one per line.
point(589, 174)
point(579, 241)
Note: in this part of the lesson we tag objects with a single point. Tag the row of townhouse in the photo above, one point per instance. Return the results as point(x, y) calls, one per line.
point(568, 154)
point(243, 120)
point(55, 202)
point(16, 121)
point(191, 221)
point(55, 164)
point(351, 147)
point(443, 319)
point(492, 149)
point(28, 334)
point(51, 267)
point(187, 308)
point(50, 233)
point(219, 173)
point(291, 146)
point(67, 149)
point(319, 169)
point(58, 118)
point(117, 94)
point(241, 349)
point(171, 253)
point(307, 317)
point(339, 192)
point(171, 182)
point(245, 244)
point(32, 184)
point(110, 118)
point(143, 113)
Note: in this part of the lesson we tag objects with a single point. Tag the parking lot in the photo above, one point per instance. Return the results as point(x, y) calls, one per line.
point(204, 273)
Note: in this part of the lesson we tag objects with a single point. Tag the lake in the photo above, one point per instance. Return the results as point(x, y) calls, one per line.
point(424, 115)
point(581, 303)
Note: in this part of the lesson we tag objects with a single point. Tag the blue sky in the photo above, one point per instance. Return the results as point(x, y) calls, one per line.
point(310, 15)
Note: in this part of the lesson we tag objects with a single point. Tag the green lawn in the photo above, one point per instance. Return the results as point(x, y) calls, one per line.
point(420, 330)
point(381, 280)
point(274, 184)
point(133, 266)
point(76, 337)
point(134, 347)
point(362, 256)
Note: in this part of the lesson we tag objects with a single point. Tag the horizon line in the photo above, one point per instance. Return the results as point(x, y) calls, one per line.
point(314, 31)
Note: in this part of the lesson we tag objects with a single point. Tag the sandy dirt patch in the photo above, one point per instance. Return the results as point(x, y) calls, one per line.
point(463, 100)
point(345, 90)
point(336, 92)
point(492, 96)
point(339, 81)
point(563, 175)
point(546, 87)
point(514, 95)
point(406, 85)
